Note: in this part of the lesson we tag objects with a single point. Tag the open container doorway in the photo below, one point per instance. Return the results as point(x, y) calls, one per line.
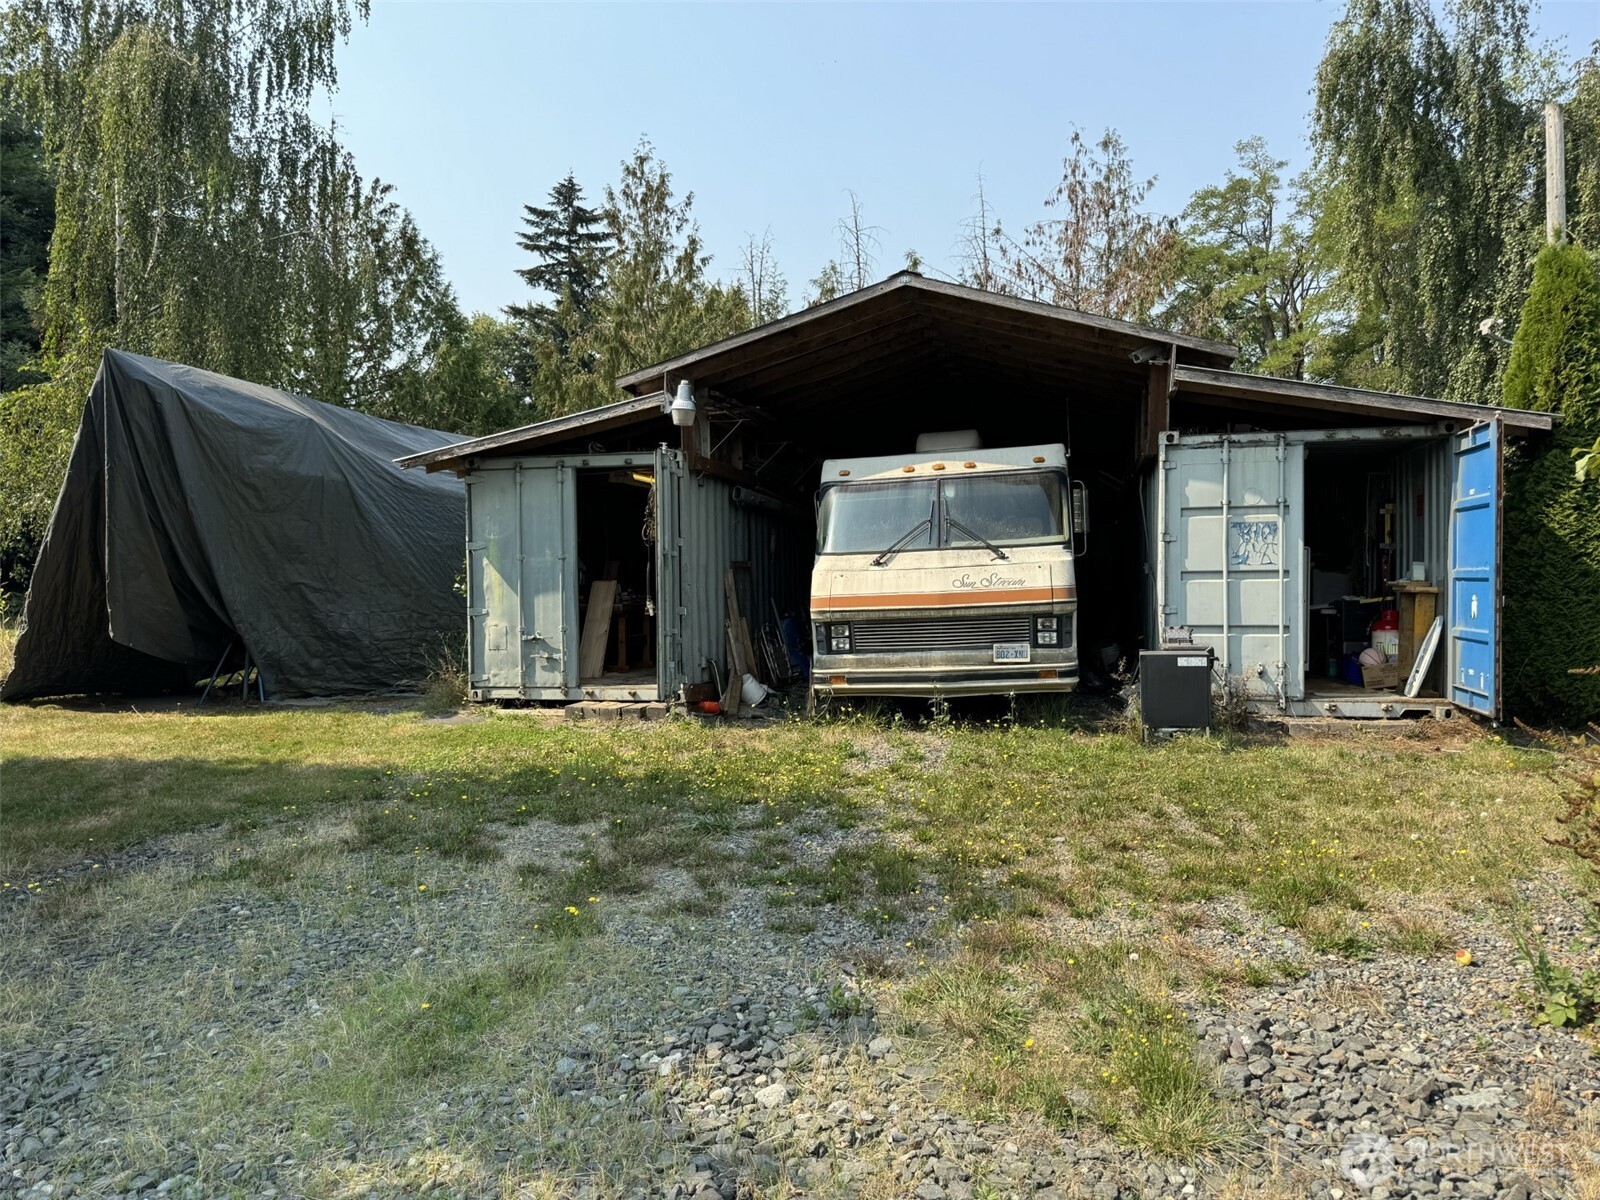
point(563, 577)
point(616, 600)
point(601, 576)
point(1281, 550)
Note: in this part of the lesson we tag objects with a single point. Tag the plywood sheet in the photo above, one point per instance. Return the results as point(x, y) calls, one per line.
point(596, 628)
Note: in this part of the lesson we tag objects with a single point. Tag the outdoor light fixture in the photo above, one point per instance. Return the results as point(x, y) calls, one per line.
point(682, 408)
point(1494, 327)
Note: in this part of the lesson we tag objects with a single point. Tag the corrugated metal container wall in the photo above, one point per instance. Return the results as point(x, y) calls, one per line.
point(1231, 544)
point(701, 522)
point(778, 543)
point(520, 530)
point(713, 529)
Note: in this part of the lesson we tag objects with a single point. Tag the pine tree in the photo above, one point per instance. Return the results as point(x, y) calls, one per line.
point(569, 240)
point(652, 298)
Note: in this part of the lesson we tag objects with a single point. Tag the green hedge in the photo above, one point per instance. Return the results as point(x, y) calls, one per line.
point(1552, 521)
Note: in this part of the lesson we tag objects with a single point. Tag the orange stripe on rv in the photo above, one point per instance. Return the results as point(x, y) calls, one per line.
point(1032, 595)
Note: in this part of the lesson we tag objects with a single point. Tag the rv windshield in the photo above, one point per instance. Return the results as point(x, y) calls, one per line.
point(866, 518)
point(1014, 509)
point(1008, 510)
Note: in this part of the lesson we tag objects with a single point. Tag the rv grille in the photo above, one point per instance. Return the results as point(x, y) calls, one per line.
point(951, 633)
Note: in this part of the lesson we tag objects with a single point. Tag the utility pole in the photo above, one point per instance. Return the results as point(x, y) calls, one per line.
point(1555, 175)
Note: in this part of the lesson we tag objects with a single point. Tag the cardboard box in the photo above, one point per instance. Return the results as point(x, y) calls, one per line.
point(1385, 676)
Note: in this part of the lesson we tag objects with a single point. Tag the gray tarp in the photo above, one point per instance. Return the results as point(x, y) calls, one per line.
point(199, 509)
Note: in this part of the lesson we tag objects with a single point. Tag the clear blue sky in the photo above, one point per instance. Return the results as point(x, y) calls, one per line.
point(770, 112)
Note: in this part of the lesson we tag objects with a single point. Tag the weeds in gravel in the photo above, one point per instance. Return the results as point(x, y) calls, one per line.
point(868, 875)
point(1070, 1032)
point(369, 1056)
point(1558, 995)
point(1332, 932)
point(1416, 936)
point(1019, 826)
point(1293, 890)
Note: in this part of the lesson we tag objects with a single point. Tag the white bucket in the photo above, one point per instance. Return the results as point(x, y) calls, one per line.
point(752, 691)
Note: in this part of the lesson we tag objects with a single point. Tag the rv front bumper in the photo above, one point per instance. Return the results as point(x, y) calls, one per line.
point(844, 675)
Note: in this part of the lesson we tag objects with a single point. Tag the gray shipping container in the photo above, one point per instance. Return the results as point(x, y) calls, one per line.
point(1227, 519)
point(523, 575)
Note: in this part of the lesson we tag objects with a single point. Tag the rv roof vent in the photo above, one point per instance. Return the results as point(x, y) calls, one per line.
point(954, 439)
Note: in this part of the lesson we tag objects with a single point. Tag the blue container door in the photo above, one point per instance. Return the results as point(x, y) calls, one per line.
point(1475, 570)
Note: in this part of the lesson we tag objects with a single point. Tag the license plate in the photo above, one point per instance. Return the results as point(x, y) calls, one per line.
point(1013, 652)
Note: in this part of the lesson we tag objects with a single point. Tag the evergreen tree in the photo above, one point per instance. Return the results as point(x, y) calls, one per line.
point(831, 283)
point(654, 298)
point(1552, 521)
point(569, 241)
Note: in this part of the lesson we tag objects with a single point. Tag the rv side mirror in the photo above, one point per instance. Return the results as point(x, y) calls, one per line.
point(1080, 519)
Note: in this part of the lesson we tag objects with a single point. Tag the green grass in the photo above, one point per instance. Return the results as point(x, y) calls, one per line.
point(78, 783)
point(1012, 814)
point(1000, 834)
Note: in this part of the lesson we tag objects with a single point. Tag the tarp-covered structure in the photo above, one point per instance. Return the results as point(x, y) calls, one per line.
point(201, 513)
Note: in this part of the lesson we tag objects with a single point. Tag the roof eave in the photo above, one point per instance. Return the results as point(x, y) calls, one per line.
point(1211, 381)
point(653, 375)
point(632, 410)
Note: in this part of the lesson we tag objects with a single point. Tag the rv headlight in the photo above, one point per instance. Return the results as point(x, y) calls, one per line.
point(839, 639)
point(1047, 631)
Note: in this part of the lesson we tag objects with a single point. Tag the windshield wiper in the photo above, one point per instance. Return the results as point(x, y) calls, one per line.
point(977, 537)
point(925, 524)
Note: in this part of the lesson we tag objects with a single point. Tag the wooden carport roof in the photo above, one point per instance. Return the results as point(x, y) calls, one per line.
point(1262, 393)
point(879, 360)
point(886, 342)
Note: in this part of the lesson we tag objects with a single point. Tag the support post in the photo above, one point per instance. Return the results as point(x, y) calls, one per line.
point(1555, 175)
